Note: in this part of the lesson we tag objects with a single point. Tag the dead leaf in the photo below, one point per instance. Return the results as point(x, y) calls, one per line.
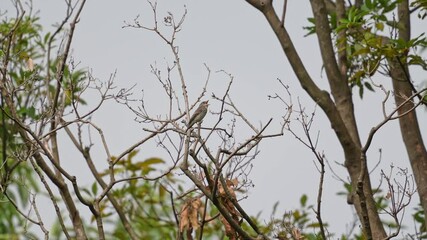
point(229, 231)
point(227, 196)
point(189, 216)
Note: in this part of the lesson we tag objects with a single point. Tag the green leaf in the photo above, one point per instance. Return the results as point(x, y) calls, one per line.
point(361, 92)
point(303, 200)
point(145, 166)
point(369, 4)
point(28, 112)
point(389, 7)
point(276, 204)
point(46, 37)
point(424, 99)
point(132, 154)
point(368, 86)
point(310, 29)
point(379, 26)
point(150, 162)
point(296, 214)
point(94, 189)
point(162, 191)
point(85, 190)
point(313, 225)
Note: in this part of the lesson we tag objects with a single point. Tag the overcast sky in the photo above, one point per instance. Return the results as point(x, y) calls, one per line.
point(231, 36)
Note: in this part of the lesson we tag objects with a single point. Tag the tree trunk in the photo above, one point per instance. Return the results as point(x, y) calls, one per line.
point(408, 121)
point(410, 131)
point(340, 113)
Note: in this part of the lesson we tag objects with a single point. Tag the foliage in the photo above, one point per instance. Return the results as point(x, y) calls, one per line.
point(419, 218)
point(422, 6)
point(297, 223)
point(24, 50)
point(367, 49)
point(17, 181)
point(367, 45)
point(146, 203)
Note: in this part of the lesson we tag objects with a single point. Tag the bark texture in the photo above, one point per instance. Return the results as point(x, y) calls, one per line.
point(408, 121)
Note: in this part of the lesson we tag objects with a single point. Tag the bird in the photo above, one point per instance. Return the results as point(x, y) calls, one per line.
point(199, 114)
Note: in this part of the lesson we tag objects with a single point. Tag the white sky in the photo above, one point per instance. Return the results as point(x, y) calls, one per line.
point(232, 36)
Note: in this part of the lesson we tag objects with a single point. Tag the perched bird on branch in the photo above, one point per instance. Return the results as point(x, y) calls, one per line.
point(199, 114)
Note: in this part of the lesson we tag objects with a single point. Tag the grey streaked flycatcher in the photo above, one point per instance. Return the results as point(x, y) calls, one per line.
point(199, 114)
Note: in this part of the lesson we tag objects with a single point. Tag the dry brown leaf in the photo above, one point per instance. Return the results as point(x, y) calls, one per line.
point(195, 205)
point(234, 181)
point(229, 231)
point(189, 216)
point(227, 200)
point(183, 221)
point(230, 184)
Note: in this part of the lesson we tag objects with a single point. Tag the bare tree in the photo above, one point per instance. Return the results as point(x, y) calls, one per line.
point(211, 156)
